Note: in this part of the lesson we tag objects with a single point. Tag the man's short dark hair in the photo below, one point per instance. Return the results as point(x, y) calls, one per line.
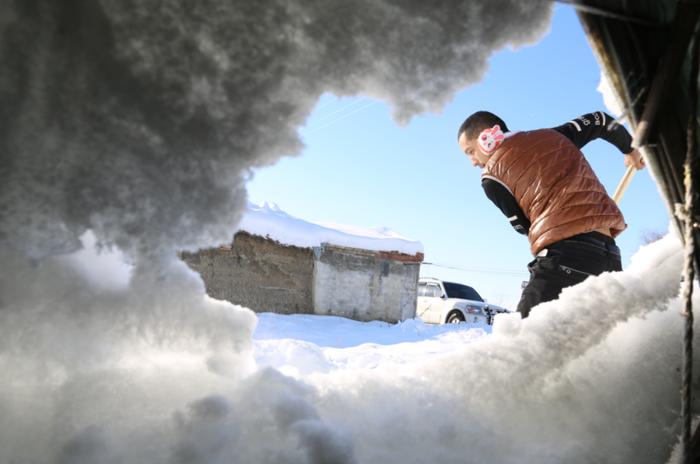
point(479, 121)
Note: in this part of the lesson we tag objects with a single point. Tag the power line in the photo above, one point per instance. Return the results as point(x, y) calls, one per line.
point(477, 269)
point(342, 108)
point(324, 124)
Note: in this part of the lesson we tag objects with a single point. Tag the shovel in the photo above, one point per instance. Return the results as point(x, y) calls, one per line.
point(624, 182)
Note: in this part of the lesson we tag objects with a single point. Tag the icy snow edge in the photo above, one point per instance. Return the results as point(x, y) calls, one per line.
point(268, 220)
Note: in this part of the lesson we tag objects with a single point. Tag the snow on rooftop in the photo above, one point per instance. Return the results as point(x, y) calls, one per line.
point(268, 220)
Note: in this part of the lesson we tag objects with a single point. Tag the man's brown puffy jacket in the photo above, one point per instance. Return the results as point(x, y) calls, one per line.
point(555, 187)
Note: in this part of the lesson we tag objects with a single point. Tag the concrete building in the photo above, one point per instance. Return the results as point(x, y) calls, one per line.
point(282, 264)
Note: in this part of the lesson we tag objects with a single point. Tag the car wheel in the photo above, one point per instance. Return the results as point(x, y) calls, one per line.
point(455, 317)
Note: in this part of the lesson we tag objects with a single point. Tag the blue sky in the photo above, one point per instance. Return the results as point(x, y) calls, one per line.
point(360, 168)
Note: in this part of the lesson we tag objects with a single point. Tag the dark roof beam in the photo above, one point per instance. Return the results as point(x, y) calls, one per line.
point(682, 29)
point(579, 5)
point(690, 448)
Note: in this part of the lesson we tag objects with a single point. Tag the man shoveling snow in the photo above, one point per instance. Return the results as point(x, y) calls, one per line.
point(543, 184)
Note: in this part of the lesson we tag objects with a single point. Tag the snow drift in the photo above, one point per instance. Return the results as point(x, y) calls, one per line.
point(113, 375)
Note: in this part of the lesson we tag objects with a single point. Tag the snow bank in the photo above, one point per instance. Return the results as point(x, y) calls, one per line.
point(157, 372)
point(592, 377)
point(270, 221)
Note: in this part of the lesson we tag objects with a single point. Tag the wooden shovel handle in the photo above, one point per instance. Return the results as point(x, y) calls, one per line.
point(624, 182)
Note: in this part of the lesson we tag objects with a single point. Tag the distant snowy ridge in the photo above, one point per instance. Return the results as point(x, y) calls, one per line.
point(268, 220)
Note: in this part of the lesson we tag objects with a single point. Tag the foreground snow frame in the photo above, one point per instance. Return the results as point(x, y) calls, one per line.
point(169, 376)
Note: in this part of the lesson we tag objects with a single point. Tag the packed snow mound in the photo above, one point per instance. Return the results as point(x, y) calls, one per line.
point(268, 220)
point(166, 374)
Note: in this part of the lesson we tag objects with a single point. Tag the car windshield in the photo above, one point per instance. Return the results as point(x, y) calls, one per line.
point(463, 292)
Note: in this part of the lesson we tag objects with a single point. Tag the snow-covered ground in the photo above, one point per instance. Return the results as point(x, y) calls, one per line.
point(592, 377)
point(301, 345)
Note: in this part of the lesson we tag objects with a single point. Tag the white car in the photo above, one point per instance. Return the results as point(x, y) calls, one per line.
point(442, 302)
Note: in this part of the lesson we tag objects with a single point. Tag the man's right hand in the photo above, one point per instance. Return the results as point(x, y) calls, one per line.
point(634, 158)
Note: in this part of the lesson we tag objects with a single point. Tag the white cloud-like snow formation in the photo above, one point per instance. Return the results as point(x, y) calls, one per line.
point(140, 120)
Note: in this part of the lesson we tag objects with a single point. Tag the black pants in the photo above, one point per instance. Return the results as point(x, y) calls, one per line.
point(566, 263)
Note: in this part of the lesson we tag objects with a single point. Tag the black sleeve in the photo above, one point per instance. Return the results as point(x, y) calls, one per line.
point(501, 197)
point(596, 125)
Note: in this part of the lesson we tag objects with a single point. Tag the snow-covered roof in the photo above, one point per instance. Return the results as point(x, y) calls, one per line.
point(268, 220)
